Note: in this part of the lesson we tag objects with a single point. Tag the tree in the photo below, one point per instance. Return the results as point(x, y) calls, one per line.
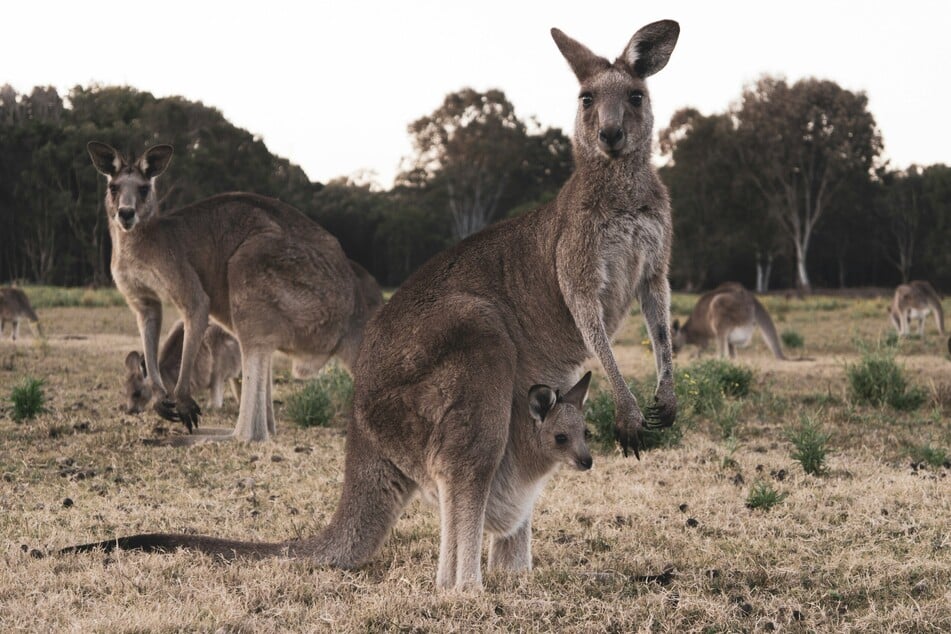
point(799, 145)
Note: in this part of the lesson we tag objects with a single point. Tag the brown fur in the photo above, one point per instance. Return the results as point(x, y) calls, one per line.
point(915, 300)
point(14, 307)
point(728, 315)
point(440, 382)
point(218, 360)
point(258, 266)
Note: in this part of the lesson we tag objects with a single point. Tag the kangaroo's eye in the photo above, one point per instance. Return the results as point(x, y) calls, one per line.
point(113, 189)
point(561, 439)
point(144, 191)
point(587, 434)
point(636, 97)
point(587, 99)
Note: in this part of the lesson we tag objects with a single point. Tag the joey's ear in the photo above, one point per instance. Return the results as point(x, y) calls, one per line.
point(155, 160)
point(650, 48)
point(583, 62)
point(579, 392)
point(541, 399)
point(105, 158)
point(134, 362)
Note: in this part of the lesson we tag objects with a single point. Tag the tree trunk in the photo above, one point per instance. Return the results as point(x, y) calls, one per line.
point(802, 276)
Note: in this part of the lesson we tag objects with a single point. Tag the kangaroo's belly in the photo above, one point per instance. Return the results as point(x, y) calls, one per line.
point(918, 313)
point(741, 336)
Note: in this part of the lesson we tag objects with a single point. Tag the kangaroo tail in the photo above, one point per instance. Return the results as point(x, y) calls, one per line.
point(767, 329)
point(168, 542)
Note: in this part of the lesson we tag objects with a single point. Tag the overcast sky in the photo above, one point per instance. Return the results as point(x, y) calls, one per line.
point(333, 85)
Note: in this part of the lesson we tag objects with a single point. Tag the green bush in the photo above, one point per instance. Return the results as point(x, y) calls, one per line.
point(28, 400)
point(599, 411)
point(878, 380)
point(762, 495)
point(934, 456)
point(792, 339)
point(321, 400)
point(811, 445)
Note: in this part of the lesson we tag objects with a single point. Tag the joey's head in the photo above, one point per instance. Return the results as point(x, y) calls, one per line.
point(130, 194)
point(614, 117)
point(138, 390)
point(559, 422)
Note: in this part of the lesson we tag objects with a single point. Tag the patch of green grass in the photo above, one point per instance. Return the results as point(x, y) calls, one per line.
point(599, 411)
point(322, 400)
point(763, 496)
point(28, 400)
point(57, 296)
point(727, 418)
point(811, 445)
point(934, 456)
point(792, 339)
point(878, 380)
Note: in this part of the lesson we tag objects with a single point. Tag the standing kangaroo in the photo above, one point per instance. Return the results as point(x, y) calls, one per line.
point(258, 266)
point(218, 360)
point(440, 382)
point(915, 300)
point(729, 314)
point(14, 307)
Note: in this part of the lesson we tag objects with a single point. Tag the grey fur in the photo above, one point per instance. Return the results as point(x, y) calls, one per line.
point(14, 308)
point(915, 300)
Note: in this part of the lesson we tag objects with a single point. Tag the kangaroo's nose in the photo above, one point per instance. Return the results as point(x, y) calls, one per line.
point(611, 136)
point(585, 463)
point(126, 214)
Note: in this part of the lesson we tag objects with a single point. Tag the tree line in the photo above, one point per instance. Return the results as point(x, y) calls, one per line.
point(785, 188)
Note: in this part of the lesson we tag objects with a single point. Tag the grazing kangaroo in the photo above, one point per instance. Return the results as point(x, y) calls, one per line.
point(915, 300)
point(218, 360)
point(14, 307)
point(729, 314)
point(557, 436)
point(264, 271)
point(441, 379)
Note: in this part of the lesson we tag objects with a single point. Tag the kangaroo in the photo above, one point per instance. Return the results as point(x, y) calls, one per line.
point(915, 300)
point(14, 307)
point(218, 360)
point(441, 378)
point(260, 268)
point(557, 436)
point(728, 313)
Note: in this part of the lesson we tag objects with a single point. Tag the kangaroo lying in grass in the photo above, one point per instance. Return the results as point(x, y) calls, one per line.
point(728, 314)
point(218, 361)
point(444, 367)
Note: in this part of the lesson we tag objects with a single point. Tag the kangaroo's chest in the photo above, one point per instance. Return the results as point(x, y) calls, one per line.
point(511, 504)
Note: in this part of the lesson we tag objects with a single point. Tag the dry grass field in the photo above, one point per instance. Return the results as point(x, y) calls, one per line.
point(666, 544)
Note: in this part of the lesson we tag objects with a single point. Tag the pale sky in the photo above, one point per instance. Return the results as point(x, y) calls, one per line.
point(332, 86)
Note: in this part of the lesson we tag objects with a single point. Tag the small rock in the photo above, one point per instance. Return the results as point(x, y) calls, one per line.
point(68, 502)
point(692, 523)
point(683, 508)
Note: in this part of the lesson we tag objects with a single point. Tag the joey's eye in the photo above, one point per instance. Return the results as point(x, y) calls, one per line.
point(636, 97)
point(587, 434)
point(561, 439)
point(113, 188)
point(587, 99)
point(144, 191)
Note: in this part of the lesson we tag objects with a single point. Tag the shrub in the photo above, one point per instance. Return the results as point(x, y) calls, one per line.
point(762, 495)
point(322, 400)
point(811, 445)
point(28, 399)
point(599, 410)
point(878, 380)
point(792, 339)
point(934, 456)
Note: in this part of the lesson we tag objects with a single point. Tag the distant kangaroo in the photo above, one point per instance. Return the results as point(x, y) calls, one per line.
point(14, 307)
point(258, 266)
point(441, 379)
point(218, 360)
point(729, 314)
point(915, 300)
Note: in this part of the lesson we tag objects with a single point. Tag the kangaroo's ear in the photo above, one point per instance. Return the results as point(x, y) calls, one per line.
point(134, 362)
point(577, 394)
point(155, 160)
point(541, 399)
point(105, 158)
point(583, 62)
point(650, 48)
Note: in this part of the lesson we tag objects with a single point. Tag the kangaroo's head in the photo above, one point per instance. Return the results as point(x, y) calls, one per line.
point(614, 108)
point(130, 196)
point(560, 423)
point(138, 390)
